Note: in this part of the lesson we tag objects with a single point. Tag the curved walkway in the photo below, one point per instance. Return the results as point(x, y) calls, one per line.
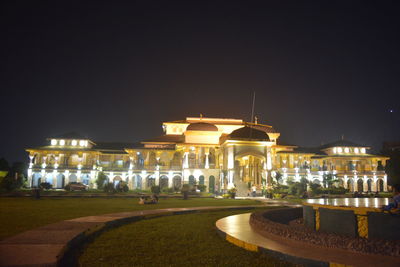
point(237, 230)
point(52, 245)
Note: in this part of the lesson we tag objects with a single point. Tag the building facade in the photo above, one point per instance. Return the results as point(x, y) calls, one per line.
point(216, 152)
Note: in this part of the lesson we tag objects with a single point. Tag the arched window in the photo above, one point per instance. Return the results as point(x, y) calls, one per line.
point(73, 178)
point(151, 181)
point(201, 180)
point(191, 180)
point(369, 183)
point(360, 185)
point(163, 181)
point(177, 182)
point(380, 185)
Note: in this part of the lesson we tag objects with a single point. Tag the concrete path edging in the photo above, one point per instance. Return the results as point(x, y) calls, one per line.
point(236, 229)
point(58, 244)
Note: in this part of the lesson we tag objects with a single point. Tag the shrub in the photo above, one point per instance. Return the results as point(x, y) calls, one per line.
point(297, 188)
point(168, 190)
point(46, 185)
point(155, 189)
point(11, 181)
point(122, 187)
point(232, 192)
point(109, 188)
point(202, 187)
point(281, 189)
point(315, 188)
point(67, 187)
point(101, 180)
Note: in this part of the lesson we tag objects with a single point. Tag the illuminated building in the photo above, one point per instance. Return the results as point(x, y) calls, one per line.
point(215, 152)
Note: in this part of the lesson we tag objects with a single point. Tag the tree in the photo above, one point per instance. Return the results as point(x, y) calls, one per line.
point(328, 180)
point(101, 179)
point(4, 166)
point(278, 177)
point(393, 167)
point(14, 177)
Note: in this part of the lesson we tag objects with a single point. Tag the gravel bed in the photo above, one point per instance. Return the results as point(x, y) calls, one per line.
point(296, 230)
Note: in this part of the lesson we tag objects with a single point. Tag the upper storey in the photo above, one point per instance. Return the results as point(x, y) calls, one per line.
point(203, 130)
point(70, 140)
point(344, 148)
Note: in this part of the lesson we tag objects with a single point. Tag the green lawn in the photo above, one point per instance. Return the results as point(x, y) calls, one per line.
point(21, 214)
point(180, 240)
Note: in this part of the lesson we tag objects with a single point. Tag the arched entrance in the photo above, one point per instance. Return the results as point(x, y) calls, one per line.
point(211, 184)
point(369, 183)
point(86, 179)
point(191, 180)
point(249, 168)
point(151, 181)
point(380, 185)
point(60, 180)
point(163, 182)
point(36, 179)
point(350, 185)
point(316, 181)
point(177, 182)
point(73, 178)
point(116, 181)
point(360, 185)
point(49, 179)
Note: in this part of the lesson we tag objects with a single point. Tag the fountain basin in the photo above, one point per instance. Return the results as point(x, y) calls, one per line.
point(354, 217)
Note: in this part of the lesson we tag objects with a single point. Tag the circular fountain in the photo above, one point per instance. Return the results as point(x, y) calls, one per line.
point(352, 231)
point(354, 217)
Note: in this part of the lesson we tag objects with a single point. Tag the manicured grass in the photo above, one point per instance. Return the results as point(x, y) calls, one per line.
point(21, 214)
point(180, 240)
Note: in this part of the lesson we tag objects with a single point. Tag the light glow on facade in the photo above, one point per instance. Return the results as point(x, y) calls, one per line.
point(219, 153)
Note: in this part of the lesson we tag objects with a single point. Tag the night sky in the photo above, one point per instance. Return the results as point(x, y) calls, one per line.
point(116, 71)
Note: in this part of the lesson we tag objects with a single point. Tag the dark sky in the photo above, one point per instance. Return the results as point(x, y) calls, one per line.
point(116, 71)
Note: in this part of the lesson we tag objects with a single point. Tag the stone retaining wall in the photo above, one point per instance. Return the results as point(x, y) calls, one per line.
point(269, 222)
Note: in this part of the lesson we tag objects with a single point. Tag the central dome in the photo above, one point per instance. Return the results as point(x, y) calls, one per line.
point(202, 126)
point(248, 133)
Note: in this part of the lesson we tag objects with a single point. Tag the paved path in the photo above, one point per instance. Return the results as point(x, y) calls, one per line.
point(46, 245)
point(238, 231)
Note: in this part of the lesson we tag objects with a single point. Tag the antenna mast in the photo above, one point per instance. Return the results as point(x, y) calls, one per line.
point(252, 108)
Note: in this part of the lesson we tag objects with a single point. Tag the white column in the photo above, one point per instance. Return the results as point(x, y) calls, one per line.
point(170, 177)
point(144, 181)
point(66, 174)
point(186, 160)
point(207, 165)
point(385, 183)
point(131, 182)
point(93, 178)
point(55, 173)
point(231, 173)
point(157, 175)
point(365, 184)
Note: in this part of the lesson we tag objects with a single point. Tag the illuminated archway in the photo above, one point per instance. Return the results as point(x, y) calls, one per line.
point(248, 168)
point(163, 181)
point(177, 182)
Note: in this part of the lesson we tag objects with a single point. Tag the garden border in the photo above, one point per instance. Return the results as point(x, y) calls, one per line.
point(59, 244)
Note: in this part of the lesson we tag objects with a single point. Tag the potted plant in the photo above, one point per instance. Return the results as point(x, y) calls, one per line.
point(232, 192)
